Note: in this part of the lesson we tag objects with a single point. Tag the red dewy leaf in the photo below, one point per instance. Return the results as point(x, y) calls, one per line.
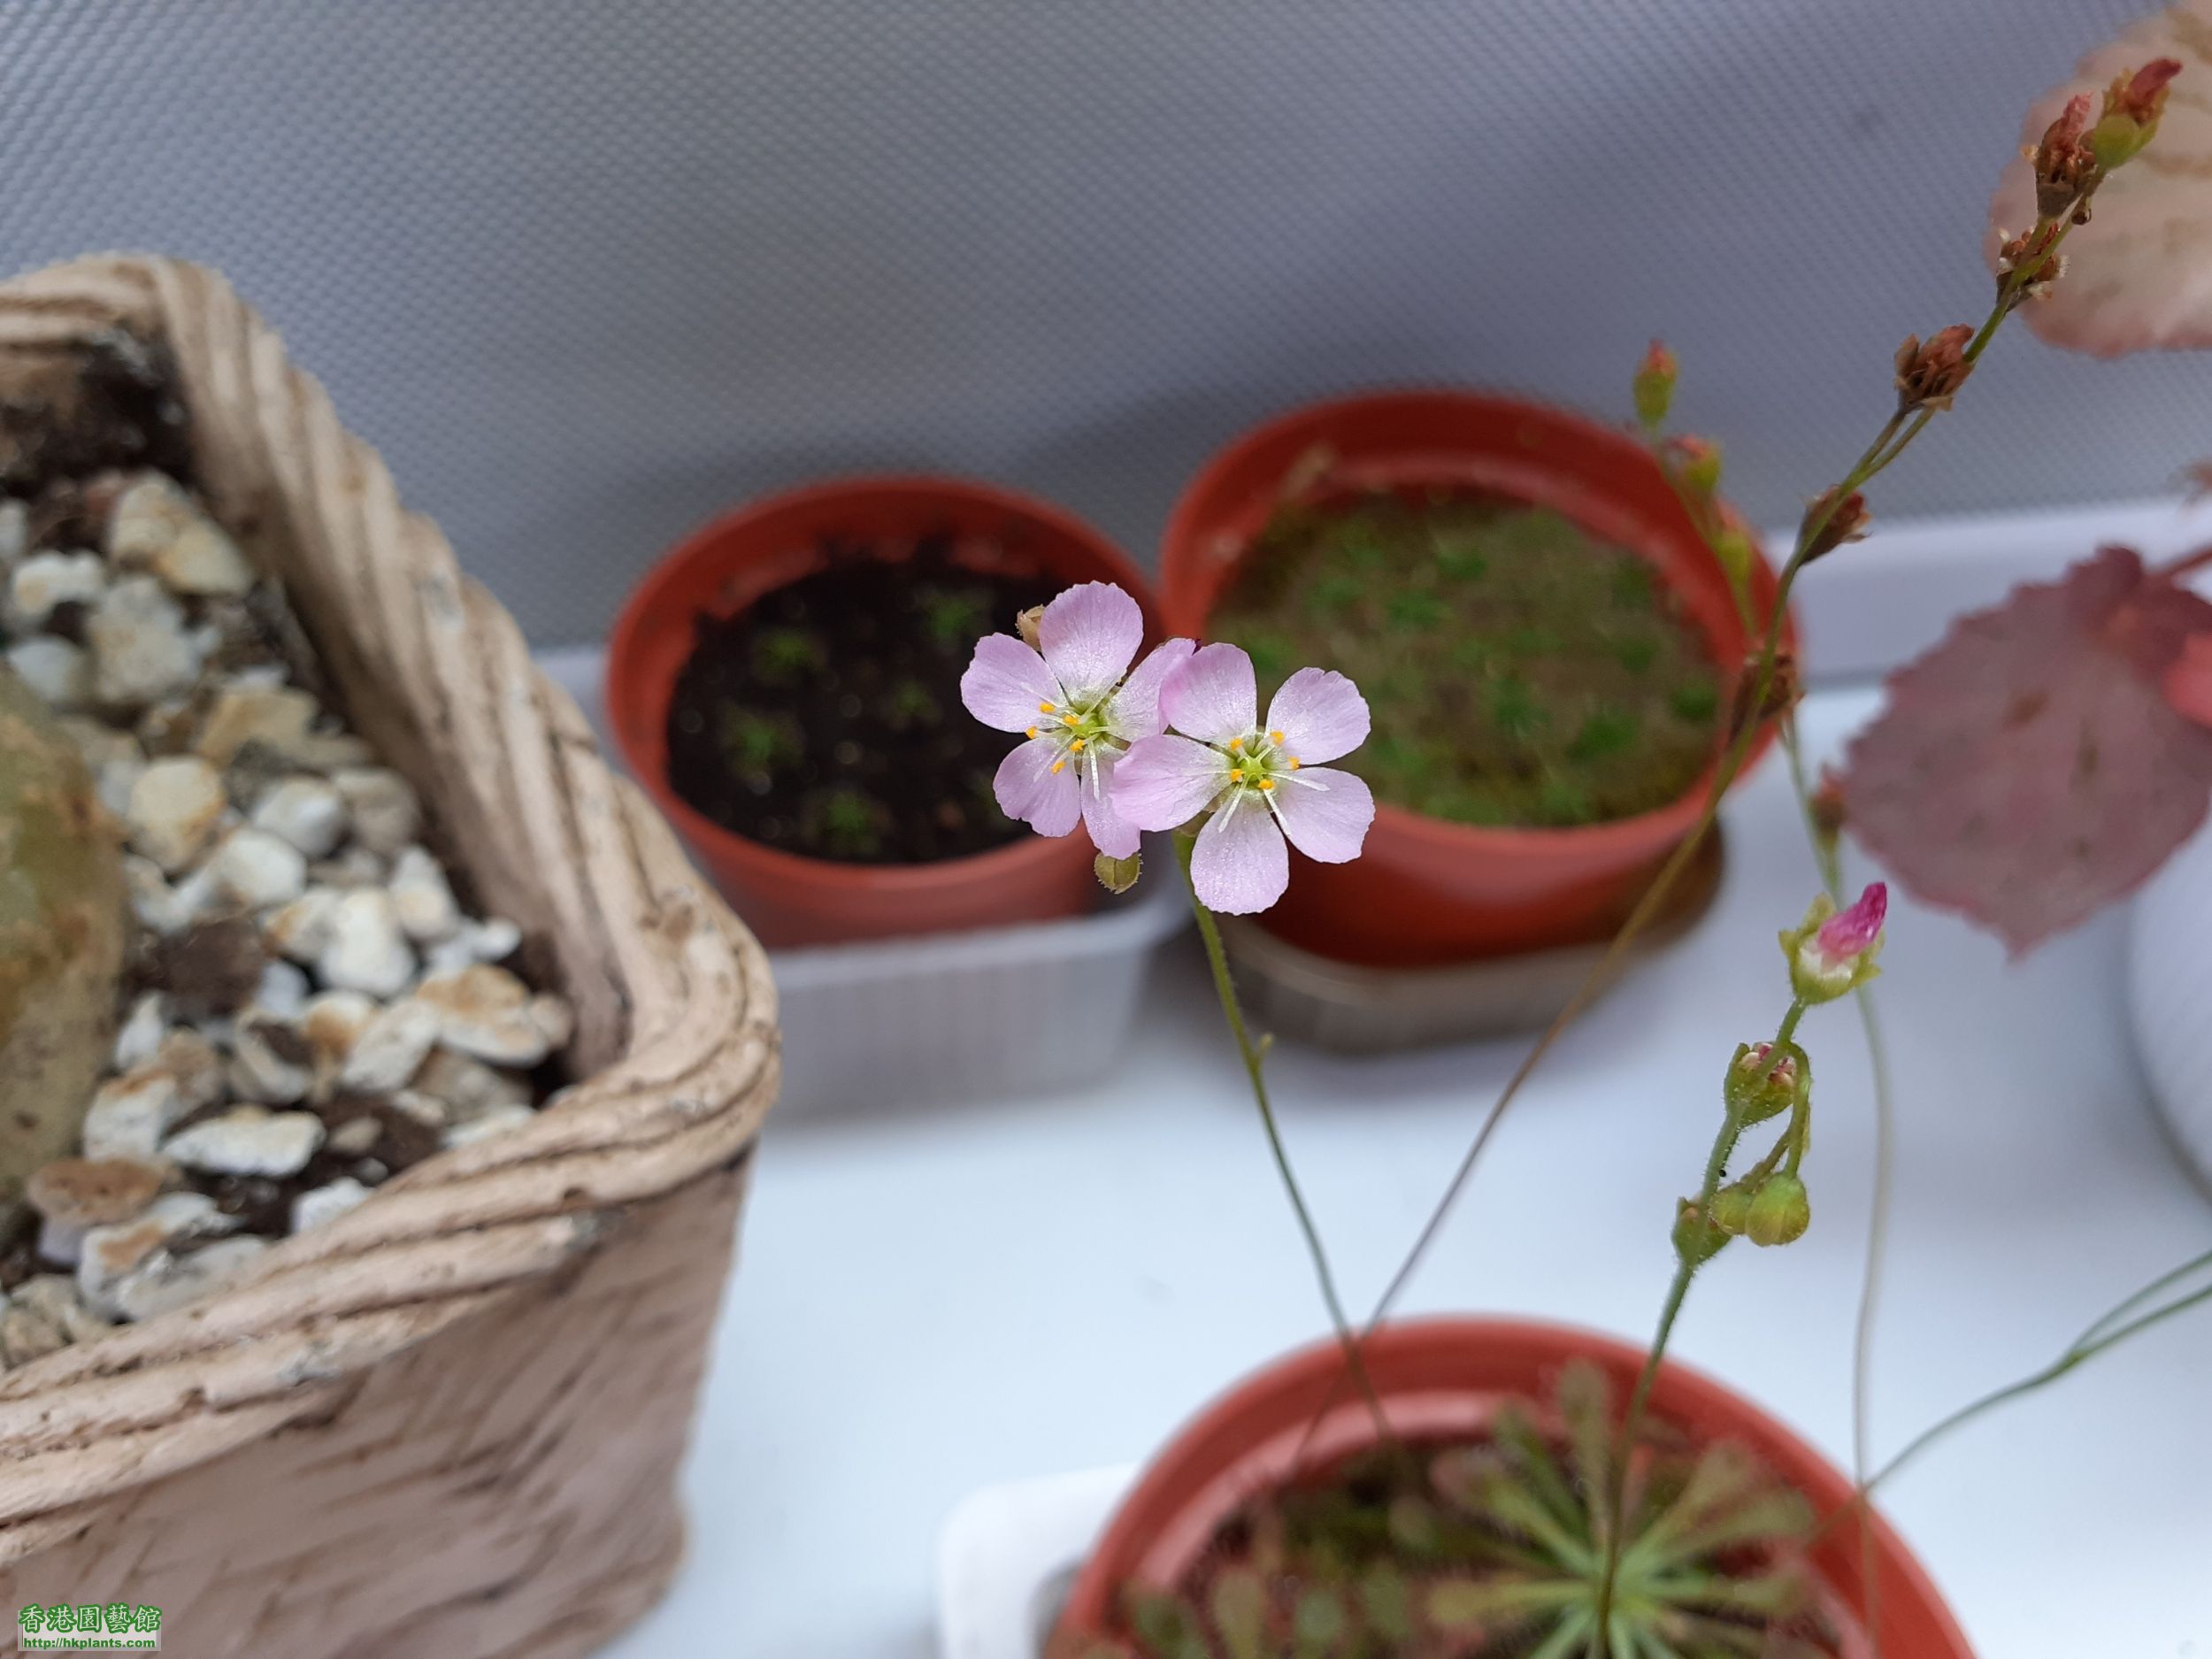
point(2139, 275)
point(2188, 679)
point(2029, 769)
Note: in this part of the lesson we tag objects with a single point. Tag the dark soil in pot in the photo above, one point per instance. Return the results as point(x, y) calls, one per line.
point(825, 719)
point(1522, 673)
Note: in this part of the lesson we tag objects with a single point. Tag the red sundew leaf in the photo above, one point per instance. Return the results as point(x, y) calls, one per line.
point(2139, 275)
point(2187, 682)
point(2029, 769)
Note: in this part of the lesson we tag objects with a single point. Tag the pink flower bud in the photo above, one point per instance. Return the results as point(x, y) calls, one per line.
point(1849, 934)
point(1832, 951)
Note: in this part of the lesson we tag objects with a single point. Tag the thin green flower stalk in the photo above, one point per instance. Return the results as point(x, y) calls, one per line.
point(2069, 164)
point(1254, 1055)
point(1830, 954)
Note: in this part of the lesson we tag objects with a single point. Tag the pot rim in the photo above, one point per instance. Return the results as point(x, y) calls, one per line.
point(1683, 1395)
point(625, 642)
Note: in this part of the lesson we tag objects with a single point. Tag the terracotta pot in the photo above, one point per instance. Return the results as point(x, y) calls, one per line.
point(787, 898)
point(1447, 1376)
point(1425, 890)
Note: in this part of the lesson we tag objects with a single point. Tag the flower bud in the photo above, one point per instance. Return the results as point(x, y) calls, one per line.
point(1117, 875)
point(1779, 1211)
point(1696, 1241)
point(1829, 522)
point(1826, 808)
point(1731, 1208)
point(2065, 166)
point(2027, 265)
point(1778, 697)
point(1759, 1086)
point(1929, 376)
point(1029, 625)
point(1654, 385)
point(1833, 951)
point(1696, 462)
point(2132, 104)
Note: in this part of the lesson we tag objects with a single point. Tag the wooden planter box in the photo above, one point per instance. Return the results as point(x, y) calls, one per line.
point(447, 1425)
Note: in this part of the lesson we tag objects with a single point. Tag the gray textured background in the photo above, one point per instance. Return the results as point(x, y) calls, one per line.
point(587, 272)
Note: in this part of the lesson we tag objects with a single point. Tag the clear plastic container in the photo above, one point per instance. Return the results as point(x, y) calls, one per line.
point(955, 1015)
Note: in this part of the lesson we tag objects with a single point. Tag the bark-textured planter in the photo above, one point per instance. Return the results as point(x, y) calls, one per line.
point(1425, 890)
point(1445, 1378)
point(448, 1423)
point(787, 898)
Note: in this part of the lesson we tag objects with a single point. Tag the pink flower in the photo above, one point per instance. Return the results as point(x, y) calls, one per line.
point(1257, 782)
point(1832, 951)
point(1080, 706)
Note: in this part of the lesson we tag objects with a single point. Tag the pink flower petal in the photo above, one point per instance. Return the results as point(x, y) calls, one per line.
point(1320, 714)
point(1212, 696)
point(1164, 781)
point(1004, 683)
point(1089, 636)
point(1326, 812)
point(1239, 865)
point(1111, 832)
point(1027, 788)
point(1136, 708)
point(1847, 932)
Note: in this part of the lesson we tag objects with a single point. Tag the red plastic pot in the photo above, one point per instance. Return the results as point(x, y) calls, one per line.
point(1447, 1376)
point(1425, 890)
point(786, 898)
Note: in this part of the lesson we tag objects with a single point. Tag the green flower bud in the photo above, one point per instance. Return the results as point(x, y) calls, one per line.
point(1117, 875)
point(1654, 385)
point(1696, 1241)
point(1731, 1208)
point(1779, 1211)
point(1696, 462)
point(1758, 1086)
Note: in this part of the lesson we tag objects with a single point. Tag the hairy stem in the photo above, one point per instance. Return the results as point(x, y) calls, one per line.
point(1888, 444)
point(1233, 1010)
point(1829, 861)
point(1686, 1264)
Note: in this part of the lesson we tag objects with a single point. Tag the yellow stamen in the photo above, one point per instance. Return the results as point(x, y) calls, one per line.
point(1077, 746)
point(1070, 720)
point(1294, 763)
point(1236, 746)
point(1032, 731)
point(1059, 766)
point(1275, 737)
point(1236, 774)
point(1044, 708)
point(1267, 783)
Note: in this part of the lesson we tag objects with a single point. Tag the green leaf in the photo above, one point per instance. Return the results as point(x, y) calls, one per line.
point(1386, 1604)
point(1240, 1610)
point(1166, 1624)
point(1317, 1624)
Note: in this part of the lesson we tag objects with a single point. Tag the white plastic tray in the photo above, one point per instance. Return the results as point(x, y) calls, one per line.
point(1007, 1555)
point(999, 1011)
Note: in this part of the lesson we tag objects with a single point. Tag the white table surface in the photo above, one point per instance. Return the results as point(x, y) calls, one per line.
point(929, 1301)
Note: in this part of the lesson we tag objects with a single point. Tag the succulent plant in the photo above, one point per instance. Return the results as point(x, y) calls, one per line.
point(1495, 1549)
point(62, 908)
